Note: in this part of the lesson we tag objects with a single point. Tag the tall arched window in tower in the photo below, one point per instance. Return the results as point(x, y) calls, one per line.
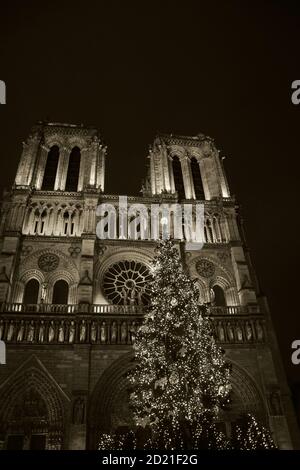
point(178, 179)
point(31, 292)
point(60, 292)
point(198, 186)
point(73, 170)
point(51, 169)
point(218, 296)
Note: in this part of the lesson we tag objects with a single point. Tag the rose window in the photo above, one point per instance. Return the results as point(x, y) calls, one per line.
point(126, 283)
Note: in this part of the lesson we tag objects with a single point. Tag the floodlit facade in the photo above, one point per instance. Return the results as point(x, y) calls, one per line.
point(71, 302)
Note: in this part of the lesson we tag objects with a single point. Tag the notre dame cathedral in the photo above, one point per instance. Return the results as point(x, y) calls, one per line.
point(71, 302)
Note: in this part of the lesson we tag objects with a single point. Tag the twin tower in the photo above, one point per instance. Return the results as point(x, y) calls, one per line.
point(71, 302)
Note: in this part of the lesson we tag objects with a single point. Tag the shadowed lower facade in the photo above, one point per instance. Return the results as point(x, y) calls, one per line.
point(71, 302)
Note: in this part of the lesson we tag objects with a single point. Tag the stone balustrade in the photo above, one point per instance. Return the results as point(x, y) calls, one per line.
point(108, 308)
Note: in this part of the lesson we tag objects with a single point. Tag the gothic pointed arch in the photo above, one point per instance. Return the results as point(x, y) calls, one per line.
point(31, 292)
point(73, 170)
point(32, 403)
point(178, 177)
point(51, 169)
point(246, 396)
point(109, 401)
point(60, 293)
point(197, 178)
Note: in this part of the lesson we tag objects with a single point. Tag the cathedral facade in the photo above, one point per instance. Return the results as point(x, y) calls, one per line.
point(71, 301)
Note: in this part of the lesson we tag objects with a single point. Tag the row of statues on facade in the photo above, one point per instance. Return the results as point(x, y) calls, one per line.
point(233, 331)
point(65, 331)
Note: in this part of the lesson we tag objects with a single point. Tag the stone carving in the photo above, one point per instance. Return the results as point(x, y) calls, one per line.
point(101, 249)
point(82, 331)
point(51, 332)
point(41, 332)
point(113, 332)
point(44, 291)
point(259, 331)
point(30, 332)
point(94, 332)
point(72, 332)
point(123, 332)
point(223, 256)
point(26, 250)
point(103, 335)
point(221, 333)
point(205, 268)
point(239, 332)
point(74, 251)
point(230, 332)
point(79, 411)
point(20, 335)
point(86, 279)
point(275, 403)
point(61, 332)
point(249, 333)
point(48, 262)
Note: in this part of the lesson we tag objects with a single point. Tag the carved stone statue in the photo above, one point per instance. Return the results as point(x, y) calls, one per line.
point(94, 332)
point(123, 332)
point(20, 334)
point(41, 332)
point(230, 332)
point(51, 332)
point(249, 333)
point(72, 332)
point(82, 331)
point(61, 332)
point(30, 332)
point(124, 296)
point(239, 332)
point(113, 332)
point(132, 296)
point(221, 332)
point(79, 411)
point(275, 403)
point(139, 297)
point(259, 331)
point(103, 335)
point(44, 292)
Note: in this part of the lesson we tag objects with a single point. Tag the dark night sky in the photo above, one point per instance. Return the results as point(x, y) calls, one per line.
point(134, 68)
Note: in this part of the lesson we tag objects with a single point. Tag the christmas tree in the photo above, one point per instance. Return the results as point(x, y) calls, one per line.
point(181, 380)
point(249, 434)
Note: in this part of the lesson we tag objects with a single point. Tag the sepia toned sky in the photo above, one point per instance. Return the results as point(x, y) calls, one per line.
point(223, 68)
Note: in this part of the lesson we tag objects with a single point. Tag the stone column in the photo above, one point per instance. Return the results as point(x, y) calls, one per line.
point(62, 169)
point(101, 167)
point(204, 177)
point(28, 159)
point(38, 177)
point(186, 173)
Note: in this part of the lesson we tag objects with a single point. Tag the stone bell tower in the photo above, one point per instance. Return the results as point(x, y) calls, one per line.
point(55, 193)
point(189, 169)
